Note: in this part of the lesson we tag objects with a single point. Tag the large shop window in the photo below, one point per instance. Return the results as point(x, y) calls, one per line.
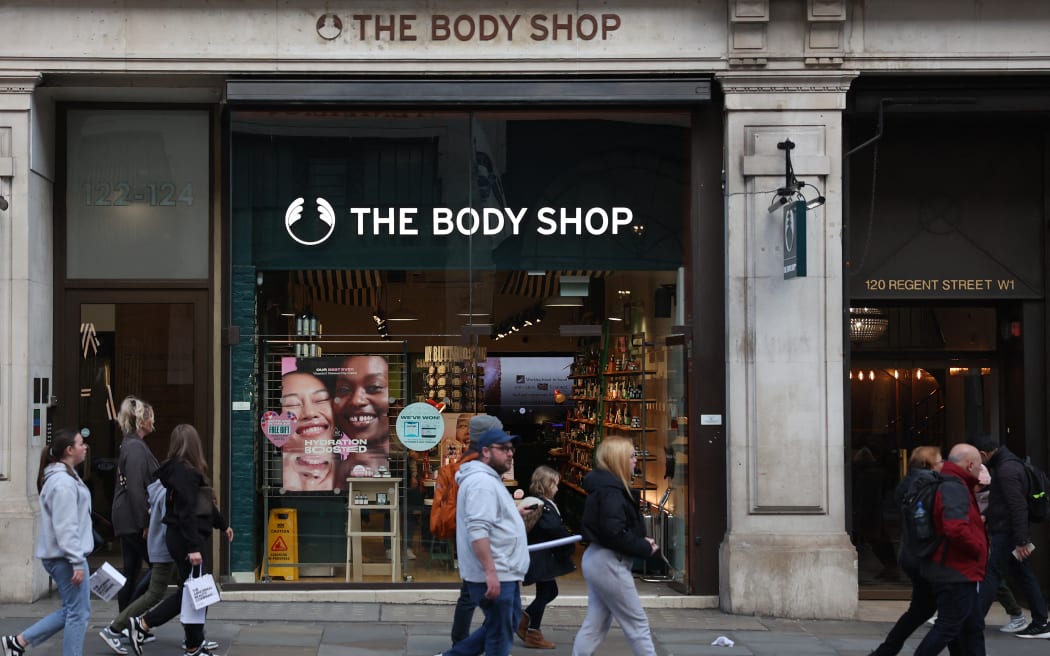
point(526, 265)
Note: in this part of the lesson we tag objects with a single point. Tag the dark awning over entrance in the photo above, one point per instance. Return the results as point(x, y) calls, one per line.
point(473, 91)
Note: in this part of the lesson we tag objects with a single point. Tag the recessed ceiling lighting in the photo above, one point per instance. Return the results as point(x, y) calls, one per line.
point(564, 301)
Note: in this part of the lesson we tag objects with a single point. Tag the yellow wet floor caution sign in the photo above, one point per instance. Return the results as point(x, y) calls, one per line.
point(282, 543)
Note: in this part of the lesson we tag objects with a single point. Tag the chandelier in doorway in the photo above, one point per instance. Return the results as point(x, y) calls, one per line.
point(867, 324)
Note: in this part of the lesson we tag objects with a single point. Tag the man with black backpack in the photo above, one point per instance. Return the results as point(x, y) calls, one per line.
point(956, 565)
point(1009, 535)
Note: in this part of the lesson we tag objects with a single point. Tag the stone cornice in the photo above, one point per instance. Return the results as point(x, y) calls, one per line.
point(785, 90)
point(787, 82)
point(19, 83)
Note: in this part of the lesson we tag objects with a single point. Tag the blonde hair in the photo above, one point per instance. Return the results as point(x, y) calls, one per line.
point(614, 455)
point(544, 482)
point(924, 457)
point(134, 412)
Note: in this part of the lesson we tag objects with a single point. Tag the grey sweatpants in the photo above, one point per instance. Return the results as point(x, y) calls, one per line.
point(611, 593)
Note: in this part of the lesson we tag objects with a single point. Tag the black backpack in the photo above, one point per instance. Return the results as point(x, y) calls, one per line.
point(919, 538)
point(1036, 492)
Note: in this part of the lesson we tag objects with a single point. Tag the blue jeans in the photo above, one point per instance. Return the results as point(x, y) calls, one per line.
point(463, 615)
point(1000, 563)
point(959, 619)
point(496, 634)
point(74, 614)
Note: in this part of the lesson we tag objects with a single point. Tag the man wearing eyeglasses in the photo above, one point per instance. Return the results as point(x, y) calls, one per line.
point(492, 545)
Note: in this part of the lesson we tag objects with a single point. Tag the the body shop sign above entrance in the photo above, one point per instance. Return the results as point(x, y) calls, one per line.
point(465, 27)
point(443, 221)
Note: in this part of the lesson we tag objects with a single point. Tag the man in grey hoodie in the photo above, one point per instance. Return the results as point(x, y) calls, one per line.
point(492, 545)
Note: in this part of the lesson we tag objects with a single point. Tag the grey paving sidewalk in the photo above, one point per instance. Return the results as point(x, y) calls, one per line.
point(377, 629)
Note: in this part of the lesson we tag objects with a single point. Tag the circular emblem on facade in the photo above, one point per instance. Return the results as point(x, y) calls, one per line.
point(307, 234)
point(329, 27)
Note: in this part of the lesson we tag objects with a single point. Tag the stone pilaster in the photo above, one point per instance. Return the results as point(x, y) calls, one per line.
point(786, 552)
point(25, 337)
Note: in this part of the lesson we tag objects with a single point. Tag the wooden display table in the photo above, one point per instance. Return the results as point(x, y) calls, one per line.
point(369, 487)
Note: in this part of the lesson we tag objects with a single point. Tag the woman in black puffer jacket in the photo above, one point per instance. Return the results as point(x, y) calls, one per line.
point(191, 515)
point(612, 523)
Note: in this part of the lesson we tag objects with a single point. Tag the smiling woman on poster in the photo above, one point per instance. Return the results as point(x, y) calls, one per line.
point(309, 458)
point(361, 406)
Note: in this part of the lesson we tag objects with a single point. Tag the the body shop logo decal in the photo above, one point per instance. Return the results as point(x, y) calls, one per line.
point(444, 221)
point(308, 230)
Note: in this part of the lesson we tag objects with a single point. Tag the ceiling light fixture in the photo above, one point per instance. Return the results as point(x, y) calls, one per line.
point(563, 301)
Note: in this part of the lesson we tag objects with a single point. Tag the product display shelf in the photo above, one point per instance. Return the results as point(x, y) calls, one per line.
point(610, 399)
point(367, 489)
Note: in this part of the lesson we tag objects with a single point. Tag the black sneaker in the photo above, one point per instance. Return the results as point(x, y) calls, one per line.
point(126, 633)
point(1035, 630)
point(136, 635)
point(9, 646)
point(201, 651)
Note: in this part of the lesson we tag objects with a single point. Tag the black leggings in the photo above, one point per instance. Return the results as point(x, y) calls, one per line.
point(546, 592)
point(172, 604)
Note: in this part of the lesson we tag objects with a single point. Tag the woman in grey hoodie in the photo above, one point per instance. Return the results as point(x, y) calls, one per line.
point(63, 546)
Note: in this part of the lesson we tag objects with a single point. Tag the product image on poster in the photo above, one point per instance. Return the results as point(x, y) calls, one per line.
point(340, 426)
point(455, 441)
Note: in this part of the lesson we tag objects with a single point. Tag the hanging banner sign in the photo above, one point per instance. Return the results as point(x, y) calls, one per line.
point(795, 240)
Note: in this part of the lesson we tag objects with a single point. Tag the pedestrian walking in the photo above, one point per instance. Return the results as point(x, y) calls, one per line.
point(190, 517)
point(63, 546)
point(545, 565)
point(136, 466)
point(491, 545)
point(1010, 534)
point(924, 459)
point(612, 523)
point(956, 567)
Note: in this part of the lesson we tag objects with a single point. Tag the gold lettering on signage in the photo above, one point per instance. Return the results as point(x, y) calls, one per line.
point(940, 285)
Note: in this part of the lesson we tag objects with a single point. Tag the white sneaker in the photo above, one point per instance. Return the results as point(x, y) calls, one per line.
point(112, 641)
point(409, 554)
point(208, 645)
point(1016, 623)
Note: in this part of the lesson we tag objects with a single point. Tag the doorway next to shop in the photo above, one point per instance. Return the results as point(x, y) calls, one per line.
point(922, 376)
point(149, 343)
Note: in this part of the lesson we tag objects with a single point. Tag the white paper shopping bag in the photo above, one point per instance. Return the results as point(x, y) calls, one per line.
point(106, 582)
point(188, 614)
point(202, 590)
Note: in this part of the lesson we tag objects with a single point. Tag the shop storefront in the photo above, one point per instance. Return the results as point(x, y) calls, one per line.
point(564, 215)
point(525, 262)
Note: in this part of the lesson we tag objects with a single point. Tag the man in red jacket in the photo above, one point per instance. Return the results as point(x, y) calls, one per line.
point(956, 568)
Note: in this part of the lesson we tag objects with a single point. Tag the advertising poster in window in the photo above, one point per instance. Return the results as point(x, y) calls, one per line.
point(333, 421)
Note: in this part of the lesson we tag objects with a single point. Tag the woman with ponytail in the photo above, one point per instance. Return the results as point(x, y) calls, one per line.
point(136, 465)
point(613, 525)
point(63, 546)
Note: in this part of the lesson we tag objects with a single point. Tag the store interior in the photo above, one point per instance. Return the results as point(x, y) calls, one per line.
point(563, 358)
